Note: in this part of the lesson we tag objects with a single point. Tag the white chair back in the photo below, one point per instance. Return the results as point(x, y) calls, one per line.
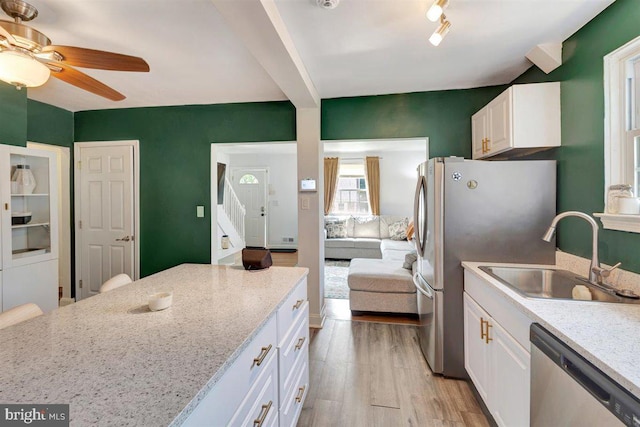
point(19, 314)
point(115, 282)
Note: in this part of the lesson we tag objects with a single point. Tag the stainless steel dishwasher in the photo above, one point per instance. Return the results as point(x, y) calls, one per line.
point(567, 390)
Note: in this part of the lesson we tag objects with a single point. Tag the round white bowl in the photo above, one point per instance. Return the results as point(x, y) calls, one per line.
point(160, 301)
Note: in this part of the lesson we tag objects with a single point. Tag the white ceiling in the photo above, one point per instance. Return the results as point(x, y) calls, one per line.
point(363, 47)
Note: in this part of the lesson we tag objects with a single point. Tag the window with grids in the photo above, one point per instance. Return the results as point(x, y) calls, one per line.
point(632, 113)
point(351, 195)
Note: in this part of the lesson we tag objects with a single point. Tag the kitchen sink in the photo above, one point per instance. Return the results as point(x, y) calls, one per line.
point(534, 282)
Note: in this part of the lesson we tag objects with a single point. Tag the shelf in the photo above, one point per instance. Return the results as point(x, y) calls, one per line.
point(620, 222)
point(35, 224)
point(23, 253)
point(30, 195)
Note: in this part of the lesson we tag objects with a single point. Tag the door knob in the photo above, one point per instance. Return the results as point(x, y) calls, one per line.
point(124, 239)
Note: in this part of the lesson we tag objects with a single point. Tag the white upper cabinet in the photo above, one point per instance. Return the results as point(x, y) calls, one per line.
point(524, 117)
point(29, 197)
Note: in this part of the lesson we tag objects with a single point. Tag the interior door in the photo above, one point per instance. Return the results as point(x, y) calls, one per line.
point(251, 188)
point(107, 215)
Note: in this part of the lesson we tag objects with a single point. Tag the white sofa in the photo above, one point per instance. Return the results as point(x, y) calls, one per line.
point(362, 236)
point(378, 280)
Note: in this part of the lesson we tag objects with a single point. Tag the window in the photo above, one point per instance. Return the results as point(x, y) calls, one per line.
point(249, 179)
point(351, 195)
point(622, 128)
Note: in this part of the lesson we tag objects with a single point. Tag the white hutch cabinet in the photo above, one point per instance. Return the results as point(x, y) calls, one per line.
point(28, 229)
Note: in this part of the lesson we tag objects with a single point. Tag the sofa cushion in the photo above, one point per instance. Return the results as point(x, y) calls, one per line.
point(346, 242)
point(364, 243)
point(350, 226)
point(391, 255)
point(396, 245)
point(366, 227)
point(336, 229)
point(377, 275)
point(398, 230)
point(386, 221)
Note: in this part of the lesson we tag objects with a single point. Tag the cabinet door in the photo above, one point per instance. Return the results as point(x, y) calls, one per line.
point(29, 206)
point(500, 123)
point(479, 132)
point(476, 349)
point(510, 368)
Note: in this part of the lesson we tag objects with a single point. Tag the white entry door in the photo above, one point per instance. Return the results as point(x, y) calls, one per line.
point(251, 187)
point(106, 217)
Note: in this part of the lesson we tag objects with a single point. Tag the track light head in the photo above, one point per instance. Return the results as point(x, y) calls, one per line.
point(442, 31)
point(437, 9)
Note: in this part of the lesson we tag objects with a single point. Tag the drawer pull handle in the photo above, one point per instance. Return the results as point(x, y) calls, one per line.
point(300, 394)
point(298, 304)
point(486, 337)
point(300, 343)
point(263, 353)
point(263, 414)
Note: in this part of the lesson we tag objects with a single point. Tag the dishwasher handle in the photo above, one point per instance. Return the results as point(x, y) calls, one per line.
point(591, 386)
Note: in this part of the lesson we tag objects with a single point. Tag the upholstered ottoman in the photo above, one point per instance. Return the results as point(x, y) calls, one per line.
point(381, 286)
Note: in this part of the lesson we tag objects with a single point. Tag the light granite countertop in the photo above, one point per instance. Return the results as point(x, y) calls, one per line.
point(606, 334)
point(117, 363)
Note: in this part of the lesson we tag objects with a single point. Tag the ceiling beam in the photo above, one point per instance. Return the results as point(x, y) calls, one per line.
point(259, 25)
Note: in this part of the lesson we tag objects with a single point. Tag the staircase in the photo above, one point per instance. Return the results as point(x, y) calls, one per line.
point(231, 221)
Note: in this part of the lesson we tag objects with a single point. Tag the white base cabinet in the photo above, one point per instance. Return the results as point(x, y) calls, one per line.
point(524, 117)
point(273, 392)
point(33, 283)
point(497, 353)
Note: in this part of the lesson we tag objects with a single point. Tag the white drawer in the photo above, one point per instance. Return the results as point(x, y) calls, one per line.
point(291, 309)
point(291, 405)
point(228, 393)
point(295, 346)
point(260, 407)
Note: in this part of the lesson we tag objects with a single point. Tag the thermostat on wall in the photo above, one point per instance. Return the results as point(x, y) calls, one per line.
point(308, 184)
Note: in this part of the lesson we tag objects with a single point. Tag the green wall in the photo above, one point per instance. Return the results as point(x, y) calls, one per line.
point(175, 166)
point(49, 125)
point(581, 157)
point(13, 115)
point(443, 116)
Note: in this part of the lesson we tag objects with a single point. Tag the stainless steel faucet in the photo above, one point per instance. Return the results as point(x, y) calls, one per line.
point(595, 271)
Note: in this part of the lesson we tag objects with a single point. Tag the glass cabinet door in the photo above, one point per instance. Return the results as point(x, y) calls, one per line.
point(28, 213)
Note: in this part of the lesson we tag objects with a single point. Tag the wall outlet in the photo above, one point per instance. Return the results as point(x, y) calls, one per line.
point(287, 239)
point(200, 211)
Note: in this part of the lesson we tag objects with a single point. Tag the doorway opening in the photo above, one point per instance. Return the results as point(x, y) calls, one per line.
point(397, 160)
point(260, 178)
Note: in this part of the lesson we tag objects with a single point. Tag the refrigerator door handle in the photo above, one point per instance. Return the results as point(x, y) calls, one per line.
point(423, 289)
point(420, 221)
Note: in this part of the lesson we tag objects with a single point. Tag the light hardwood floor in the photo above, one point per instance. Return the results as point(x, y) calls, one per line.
point(373, 374)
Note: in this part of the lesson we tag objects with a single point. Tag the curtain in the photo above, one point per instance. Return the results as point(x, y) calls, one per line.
point(330, 182)
point(372, 168)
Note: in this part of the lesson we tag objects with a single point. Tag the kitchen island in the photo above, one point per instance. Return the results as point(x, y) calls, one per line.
point(117, 363)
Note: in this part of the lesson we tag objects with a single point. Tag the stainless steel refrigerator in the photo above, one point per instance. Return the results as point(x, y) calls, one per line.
point(466, 210)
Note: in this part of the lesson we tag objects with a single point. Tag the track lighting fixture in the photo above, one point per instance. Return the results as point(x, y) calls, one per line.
point(442, 31)
point(437, 9)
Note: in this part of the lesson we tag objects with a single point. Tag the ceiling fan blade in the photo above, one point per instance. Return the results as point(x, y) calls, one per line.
point(99, 59)
point(79, 79)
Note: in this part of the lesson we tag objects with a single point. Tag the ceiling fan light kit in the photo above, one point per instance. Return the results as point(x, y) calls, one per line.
point(28, 59)
point(22, 70)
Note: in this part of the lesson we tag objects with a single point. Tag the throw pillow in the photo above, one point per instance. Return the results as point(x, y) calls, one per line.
point(336, 230)
point(398, 230)
point(409, 259)
point(366, 227)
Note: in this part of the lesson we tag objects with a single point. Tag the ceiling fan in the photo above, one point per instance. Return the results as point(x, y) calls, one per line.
point(27, 57)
